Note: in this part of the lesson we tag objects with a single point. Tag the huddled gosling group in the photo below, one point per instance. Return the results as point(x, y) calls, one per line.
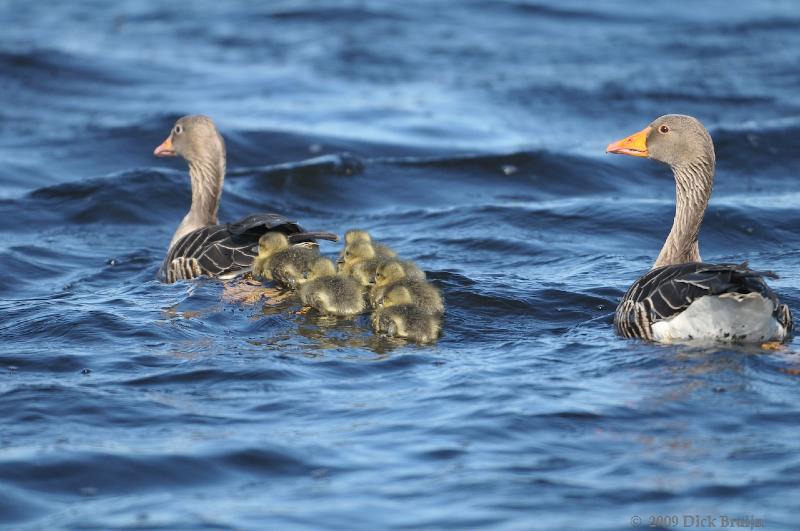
point(369, 274)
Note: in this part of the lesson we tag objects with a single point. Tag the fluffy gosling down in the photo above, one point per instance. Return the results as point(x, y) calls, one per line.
point(420, 294)
point(358, 247)
point(268, 244)
point(355, 253)
point(355, 236)
point(408, 322)
point(332, 294)
point(405, 305)
point(288, 265)
point(365, 271)
point(398, 282)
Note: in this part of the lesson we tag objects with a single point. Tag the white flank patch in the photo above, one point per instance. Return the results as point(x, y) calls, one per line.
point(731, 317)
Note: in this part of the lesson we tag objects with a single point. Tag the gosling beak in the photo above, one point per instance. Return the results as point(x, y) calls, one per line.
point(634, 145)
point(165, 149)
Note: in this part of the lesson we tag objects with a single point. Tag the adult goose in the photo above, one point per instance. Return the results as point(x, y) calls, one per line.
point(201, 246)
point(682, 298)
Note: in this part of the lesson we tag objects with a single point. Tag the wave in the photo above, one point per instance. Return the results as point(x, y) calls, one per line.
point(51, 69)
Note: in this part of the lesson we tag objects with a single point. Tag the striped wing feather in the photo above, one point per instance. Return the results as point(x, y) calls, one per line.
point(223, 250)
point(664, 292)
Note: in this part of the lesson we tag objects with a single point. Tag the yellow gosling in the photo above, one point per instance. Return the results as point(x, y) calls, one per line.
point(392, 271)
point(420, 294)
point(268, 244)
point(356, 236)
point(291, 267)
point(332, 294)
point(407, 321)
point(353, 254)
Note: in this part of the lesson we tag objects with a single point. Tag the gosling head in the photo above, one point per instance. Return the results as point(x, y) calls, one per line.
point(355, 235)
point(390, 271)
point(272, 242)
point(674, 139)
point(195, 138)
point(322, 267)
point(357, 252)
point(397, 296)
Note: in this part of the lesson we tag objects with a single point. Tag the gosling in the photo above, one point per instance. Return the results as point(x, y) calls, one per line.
point(364, 271)
point(404, 283)
point(354, 236)
point(408, 322)
point(288, 265)
point(268, 244)
point(420, 294)
point(359, 251)
point(332, 294)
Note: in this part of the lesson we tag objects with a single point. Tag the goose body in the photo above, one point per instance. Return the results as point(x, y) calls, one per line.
point(201, 245)
point(703, 302)
point(681, 298)
point(226, 251)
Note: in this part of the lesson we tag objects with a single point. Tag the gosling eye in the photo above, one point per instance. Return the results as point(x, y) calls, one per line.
point(178, 129)
point(664, 129)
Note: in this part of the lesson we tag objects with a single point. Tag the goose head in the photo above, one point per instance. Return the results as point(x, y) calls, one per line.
point(323, 267)
point(390, 271)
point(673, 139)
point(195, 138)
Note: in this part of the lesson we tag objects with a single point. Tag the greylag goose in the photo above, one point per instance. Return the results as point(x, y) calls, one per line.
point(201, 246)
point(330, 293)
point(681, 298)
point(408, 322)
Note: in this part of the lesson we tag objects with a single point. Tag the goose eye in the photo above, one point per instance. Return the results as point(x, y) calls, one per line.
point(664, 129)
point(178, 129)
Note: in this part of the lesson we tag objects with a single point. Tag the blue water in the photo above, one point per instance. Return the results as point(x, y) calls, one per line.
point(469, 136)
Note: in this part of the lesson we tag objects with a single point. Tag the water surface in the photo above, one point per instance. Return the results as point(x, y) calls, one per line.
point(469, 136)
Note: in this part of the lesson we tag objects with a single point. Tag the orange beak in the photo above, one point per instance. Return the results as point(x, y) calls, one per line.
point(635, 145)
point(165, 149)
